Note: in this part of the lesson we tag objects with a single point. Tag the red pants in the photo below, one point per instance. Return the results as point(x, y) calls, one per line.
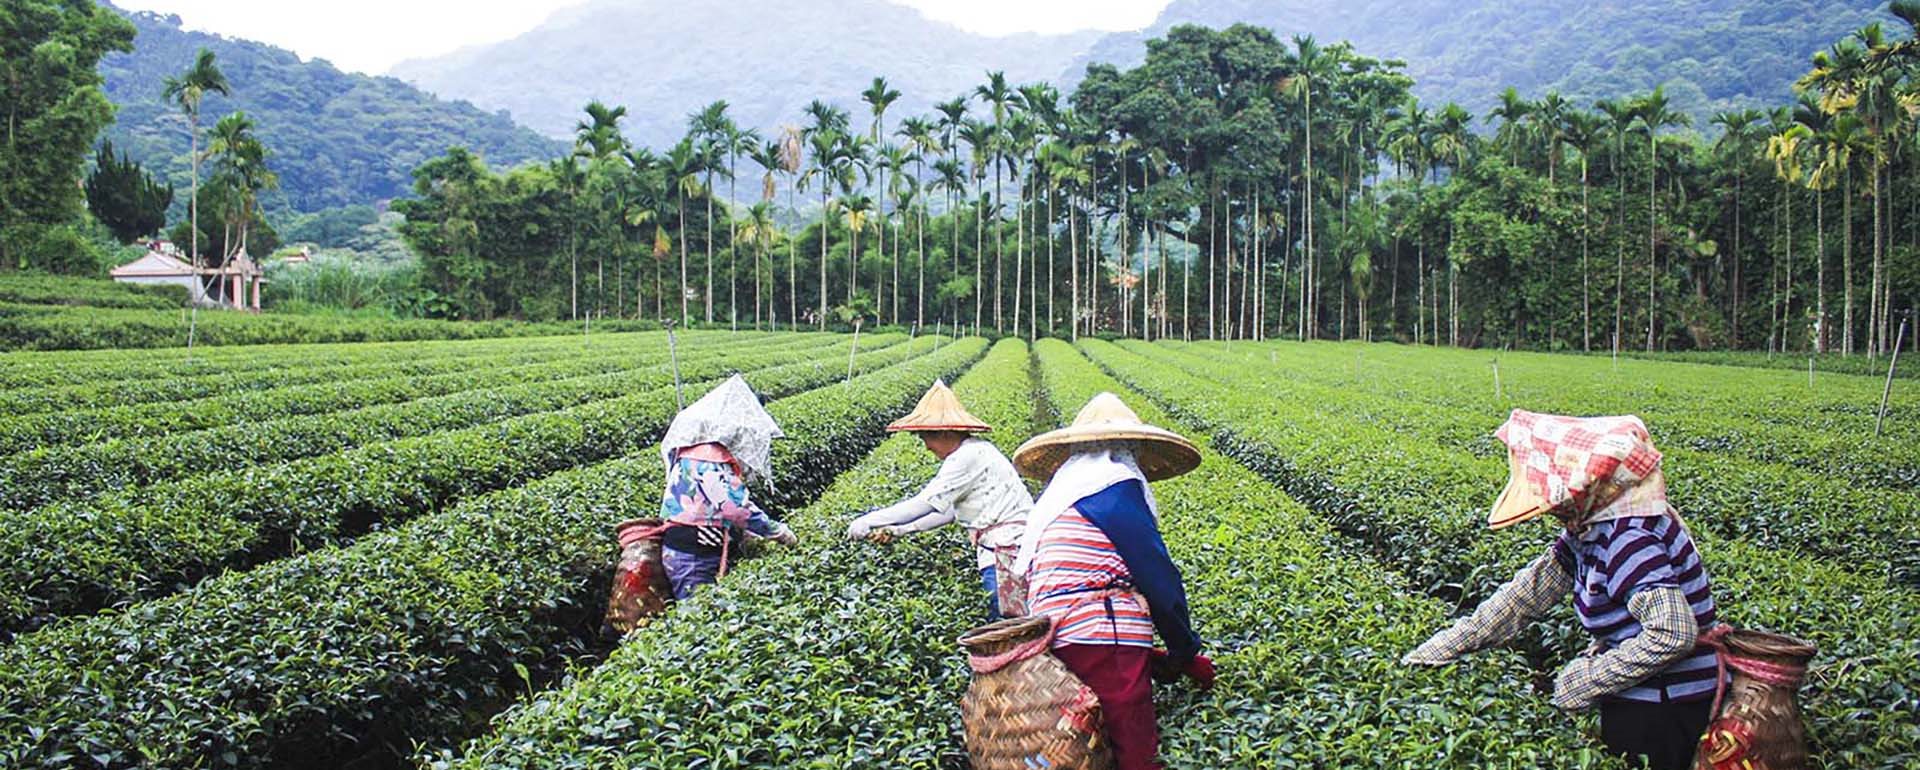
point(1123, 680)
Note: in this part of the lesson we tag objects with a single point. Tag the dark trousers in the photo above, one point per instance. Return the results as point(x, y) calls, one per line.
point(990, 580)
point(1663, 735)
point(1122, 679)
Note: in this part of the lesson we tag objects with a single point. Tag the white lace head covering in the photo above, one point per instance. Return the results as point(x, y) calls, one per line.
point(1092, 467)
point(731, 416)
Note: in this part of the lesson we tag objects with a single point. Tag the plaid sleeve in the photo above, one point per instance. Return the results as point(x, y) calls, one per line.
point(1526, 598)
point(1668, 632)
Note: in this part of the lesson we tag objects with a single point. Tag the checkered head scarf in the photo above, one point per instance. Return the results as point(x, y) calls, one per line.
point(1604, 467)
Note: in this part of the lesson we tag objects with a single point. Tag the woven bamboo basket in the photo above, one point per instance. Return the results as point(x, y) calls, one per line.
point(1024, 709)
point(1759, 724)
point(640, 586)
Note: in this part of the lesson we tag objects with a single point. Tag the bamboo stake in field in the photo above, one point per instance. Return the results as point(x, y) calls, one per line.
point(1496, 379)
point(855, 350)
point(1892, 365)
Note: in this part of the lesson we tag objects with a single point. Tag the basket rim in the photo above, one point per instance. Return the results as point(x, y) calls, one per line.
point(1006, 630)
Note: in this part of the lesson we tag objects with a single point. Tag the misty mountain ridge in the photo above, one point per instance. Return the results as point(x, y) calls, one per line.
point(767, 59)
point(664, 60)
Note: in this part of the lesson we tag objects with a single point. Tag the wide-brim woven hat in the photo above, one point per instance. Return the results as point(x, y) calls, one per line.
point(939, 409)
point(1161, 453)
point(1588, 463)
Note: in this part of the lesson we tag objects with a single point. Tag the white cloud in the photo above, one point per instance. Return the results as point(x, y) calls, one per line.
point(373, 35)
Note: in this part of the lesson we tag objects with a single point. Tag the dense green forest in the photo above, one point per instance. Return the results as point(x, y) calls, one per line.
point(1233, 185)
point(1711, 55)
point(338, 139)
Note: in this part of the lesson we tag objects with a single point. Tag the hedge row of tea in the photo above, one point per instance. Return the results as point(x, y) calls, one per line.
point(411, 635)
point(59, 327)
point(1376, 468)
point(81, 554)
point(829, 655)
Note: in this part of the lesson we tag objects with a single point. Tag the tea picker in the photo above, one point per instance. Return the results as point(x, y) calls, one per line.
point(1100, 585)
point(1658, 669)
point(975, 486)
point(711, 451)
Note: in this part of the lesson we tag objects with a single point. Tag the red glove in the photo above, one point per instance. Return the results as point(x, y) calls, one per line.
point(1166, 671)
point(1201, 670)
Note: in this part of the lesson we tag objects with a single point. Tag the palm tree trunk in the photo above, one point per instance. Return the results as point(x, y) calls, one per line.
point(1820, 272)
point(979, 257)
point(1019, 243)
point(1052, 271)
point(1846, 262)
point(709, 300)
point(826, 222)
point(1213, 248)
point(683, 259)
point(1073, 255)
point(999, 250)
point(1653, 173)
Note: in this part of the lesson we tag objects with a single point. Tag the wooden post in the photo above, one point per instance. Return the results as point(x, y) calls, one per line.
point(1892, 366)
point(1496, 379)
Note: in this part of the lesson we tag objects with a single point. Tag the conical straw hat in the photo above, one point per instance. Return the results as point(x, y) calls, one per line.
point(1161, 453)
point(939, 409)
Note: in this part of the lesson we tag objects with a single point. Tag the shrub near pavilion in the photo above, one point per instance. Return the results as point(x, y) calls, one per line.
point(408, 635)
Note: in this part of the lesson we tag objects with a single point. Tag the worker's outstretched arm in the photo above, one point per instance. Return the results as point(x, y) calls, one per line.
point(1523, 600)
point(911, 515)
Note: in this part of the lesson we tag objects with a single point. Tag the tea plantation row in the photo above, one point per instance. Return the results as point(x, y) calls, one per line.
point(1419, 506)
point(413, 634)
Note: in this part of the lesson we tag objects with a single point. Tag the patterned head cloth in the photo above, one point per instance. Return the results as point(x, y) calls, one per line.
point(731, 416)
point(1603, 467)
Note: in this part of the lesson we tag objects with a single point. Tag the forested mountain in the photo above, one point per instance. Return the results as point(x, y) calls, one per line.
point(1711, 54)
point(767, 58)
point(336, 138)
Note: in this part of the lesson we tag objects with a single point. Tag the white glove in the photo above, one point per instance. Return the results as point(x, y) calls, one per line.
point(859, 529)
point(785, 536)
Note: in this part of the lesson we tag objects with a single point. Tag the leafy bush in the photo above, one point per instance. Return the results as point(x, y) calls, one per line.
point(28, 327)
point(415, 634)
point(1419, 507)
point(47, 289)
point(862, 635)
point(38, 382)
point(148, 420)
point(85, 470)
point(75, 557)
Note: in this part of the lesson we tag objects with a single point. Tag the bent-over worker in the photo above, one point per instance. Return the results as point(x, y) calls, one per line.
point(1638, 584)
point(975, 486)
point(1096, 564)
point(712, 450)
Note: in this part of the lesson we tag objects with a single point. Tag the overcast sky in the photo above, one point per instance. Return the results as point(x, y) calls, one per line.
point(372, 35)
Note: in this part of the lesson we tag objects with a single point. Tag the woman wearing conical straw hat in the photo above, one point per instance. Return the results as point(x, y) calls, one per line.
point(975, 486)
point(712, 450)
point(1638, 584)
point(1096, 564)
